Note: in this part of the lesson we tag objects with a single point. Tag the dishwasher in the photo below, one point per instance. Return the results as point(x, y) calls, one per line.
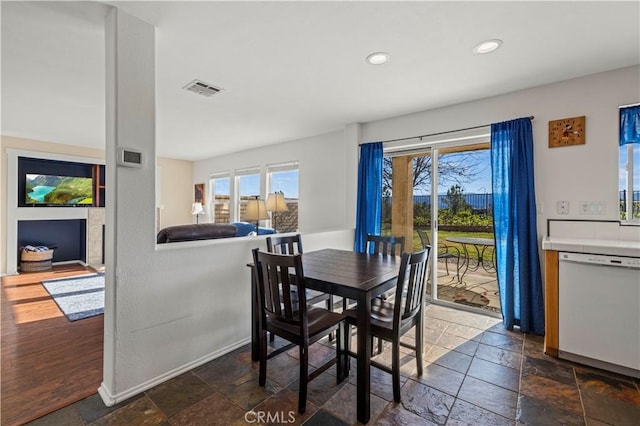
point(599, 311)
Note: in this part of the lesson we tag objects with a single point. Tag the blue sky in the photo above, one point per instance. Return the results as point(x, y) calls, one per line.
point(286, 182)
point(481, 170)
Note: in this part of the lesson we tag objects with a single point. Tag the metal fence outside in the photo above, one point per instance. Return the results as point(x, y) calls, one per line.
point(481, 203)
point(636, 202)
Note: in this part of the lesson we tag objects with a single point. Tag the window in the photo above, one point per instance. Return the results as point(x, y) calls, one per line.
point(283, 179)
point(247, 187)
point(629, 164)
point(220, 186)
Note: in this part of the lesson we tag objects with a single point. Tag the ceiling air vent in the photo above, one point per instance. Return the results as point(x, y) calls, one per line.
point(202, 88)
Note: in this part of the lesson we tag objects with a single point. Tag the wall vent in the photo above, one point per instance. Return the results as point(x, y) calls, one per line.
point(202, 88)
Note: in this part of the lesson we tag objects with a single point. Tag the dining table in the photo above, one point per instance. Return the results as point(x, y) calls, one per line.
point(356, 276)
point(480, 246)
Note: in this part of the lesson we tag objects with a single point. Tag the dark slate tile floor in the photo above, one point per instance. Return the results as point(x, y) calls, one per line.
point(475, 373)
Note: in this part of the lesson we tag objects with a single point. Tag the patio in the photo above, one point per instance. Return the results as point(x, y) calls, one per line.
point(477, 289)
point(477, 286)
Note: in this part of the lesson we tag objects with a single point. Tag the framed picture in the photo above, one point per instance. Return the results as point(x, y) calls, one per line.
point(198, 193)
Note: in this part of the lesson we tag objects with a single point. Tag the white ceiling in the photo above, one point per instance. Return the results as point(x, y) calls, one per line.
point(296, 69)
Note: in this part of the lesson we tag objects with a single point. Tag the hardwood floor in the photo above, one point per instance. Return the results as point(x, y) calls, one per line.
point(47, 361)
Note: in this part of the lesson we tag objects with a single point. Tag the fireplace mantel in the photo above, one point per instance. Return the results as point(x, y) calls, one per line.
point(93, 216)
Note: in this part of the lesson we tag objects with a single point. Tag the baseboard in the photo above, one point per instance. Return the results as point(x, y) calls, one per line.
point(109, 399)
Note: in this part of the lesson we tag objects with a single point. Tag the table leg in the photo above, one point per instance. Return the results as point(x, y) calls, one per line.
point(466, 261)
point(364, 358)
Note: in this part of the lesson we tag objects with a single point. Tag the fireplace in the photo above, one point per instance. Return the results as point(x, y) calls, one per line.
point(68, 236)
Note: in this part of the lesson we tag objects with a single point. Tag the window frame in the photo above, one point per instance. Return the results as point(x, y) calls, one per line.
point(629, 188)
point(238, 175)
point(212, 193)
point(283, 167)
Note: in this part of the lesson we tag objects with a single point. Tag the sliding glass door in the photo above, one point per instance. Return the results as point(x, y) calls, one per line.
point(441, 196)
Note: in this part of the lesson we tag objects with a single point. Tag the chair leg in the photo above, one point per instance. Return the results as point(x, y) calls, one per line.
point(379, 346)
point(419, 334)
point(330, 308)
point(395, 369)
point(262, 378)
point(339, 353)
point(304, 378)
point(272, 337)
point(346, 348)
point(446, 264)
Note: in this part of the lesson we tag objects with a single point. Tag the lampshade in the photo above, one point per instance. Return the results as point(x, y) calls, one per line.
point(276, 202)
point(196, 208)
point(256, 210)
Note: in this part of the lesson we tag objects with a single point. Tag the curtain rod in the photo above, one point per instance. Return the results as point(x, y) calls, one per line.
point(436, 134)
point(630, 105)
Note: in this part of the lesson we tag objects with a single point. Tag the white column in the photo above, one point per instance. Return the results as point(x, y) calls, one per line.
point(130, 192)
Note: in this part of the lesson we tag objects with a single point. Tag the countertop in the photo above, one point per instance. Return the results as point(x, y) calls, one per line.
point(593, 246)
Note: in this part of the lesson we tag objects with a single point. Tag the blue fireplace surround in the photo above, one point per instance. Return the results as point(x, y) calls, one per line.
point(68, 236)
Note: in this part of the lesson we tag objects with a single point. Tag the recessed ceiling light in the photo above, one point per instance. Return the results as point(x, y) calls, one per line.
point(378, 58)
point(487, 46)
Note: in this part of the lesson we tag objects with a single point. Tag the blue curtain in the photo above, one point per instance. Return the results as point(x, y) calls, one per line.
point(514, 217)
point(630, 125)
point(369, 203)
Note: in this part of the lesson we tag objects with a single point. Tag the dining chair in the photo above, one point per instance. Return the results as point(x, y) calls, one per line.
point(391, 320)
point(386, 245)
point(292, 318)
point(292, 244)
point(445, 251)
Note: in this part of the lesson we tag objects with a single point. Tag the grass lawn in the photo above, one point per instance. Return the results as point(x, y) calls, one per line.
point(442, 236)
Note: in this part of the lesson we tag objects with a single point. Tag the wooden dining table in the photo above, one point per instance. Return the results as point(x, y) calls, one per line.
point(357, 276)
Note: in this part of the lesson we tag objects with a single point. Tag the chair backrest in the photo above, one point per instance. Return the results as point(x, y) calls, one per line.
point(385, 245)
point(424, 237)
point(410, 287)
point(285, 244)
point(278, 278)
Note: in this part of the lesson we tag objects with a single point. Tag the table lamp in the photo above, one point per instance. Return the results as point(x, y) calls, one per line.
point(197, 210)
point(256, 210)
point(276, 203)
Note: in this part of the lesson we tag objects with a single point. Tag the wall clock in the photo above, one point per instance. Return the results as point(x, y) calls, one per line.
point(567, 131)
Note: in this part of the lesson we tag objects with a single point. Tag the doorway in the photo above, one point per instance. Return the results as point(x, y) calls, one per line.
point(447, 196)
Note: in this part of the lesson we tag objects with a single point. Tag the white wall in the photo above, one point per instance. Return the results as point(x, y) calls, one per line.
point(176, 192)
point(323, 169)
point(586, 172)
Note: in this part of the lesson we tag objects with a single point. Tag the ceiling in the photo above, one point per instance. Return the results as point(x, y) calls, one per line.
point(290, 70)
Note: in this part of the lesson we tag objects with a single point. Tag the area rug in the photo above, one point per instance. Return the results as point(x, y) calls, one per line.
point(78, 297)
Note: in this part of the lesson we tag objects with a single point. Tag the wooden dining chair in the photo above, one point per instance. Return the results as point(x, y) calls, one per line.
point(292, 244)
point(391, 320)
point(291, 318)
point(386, 245)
